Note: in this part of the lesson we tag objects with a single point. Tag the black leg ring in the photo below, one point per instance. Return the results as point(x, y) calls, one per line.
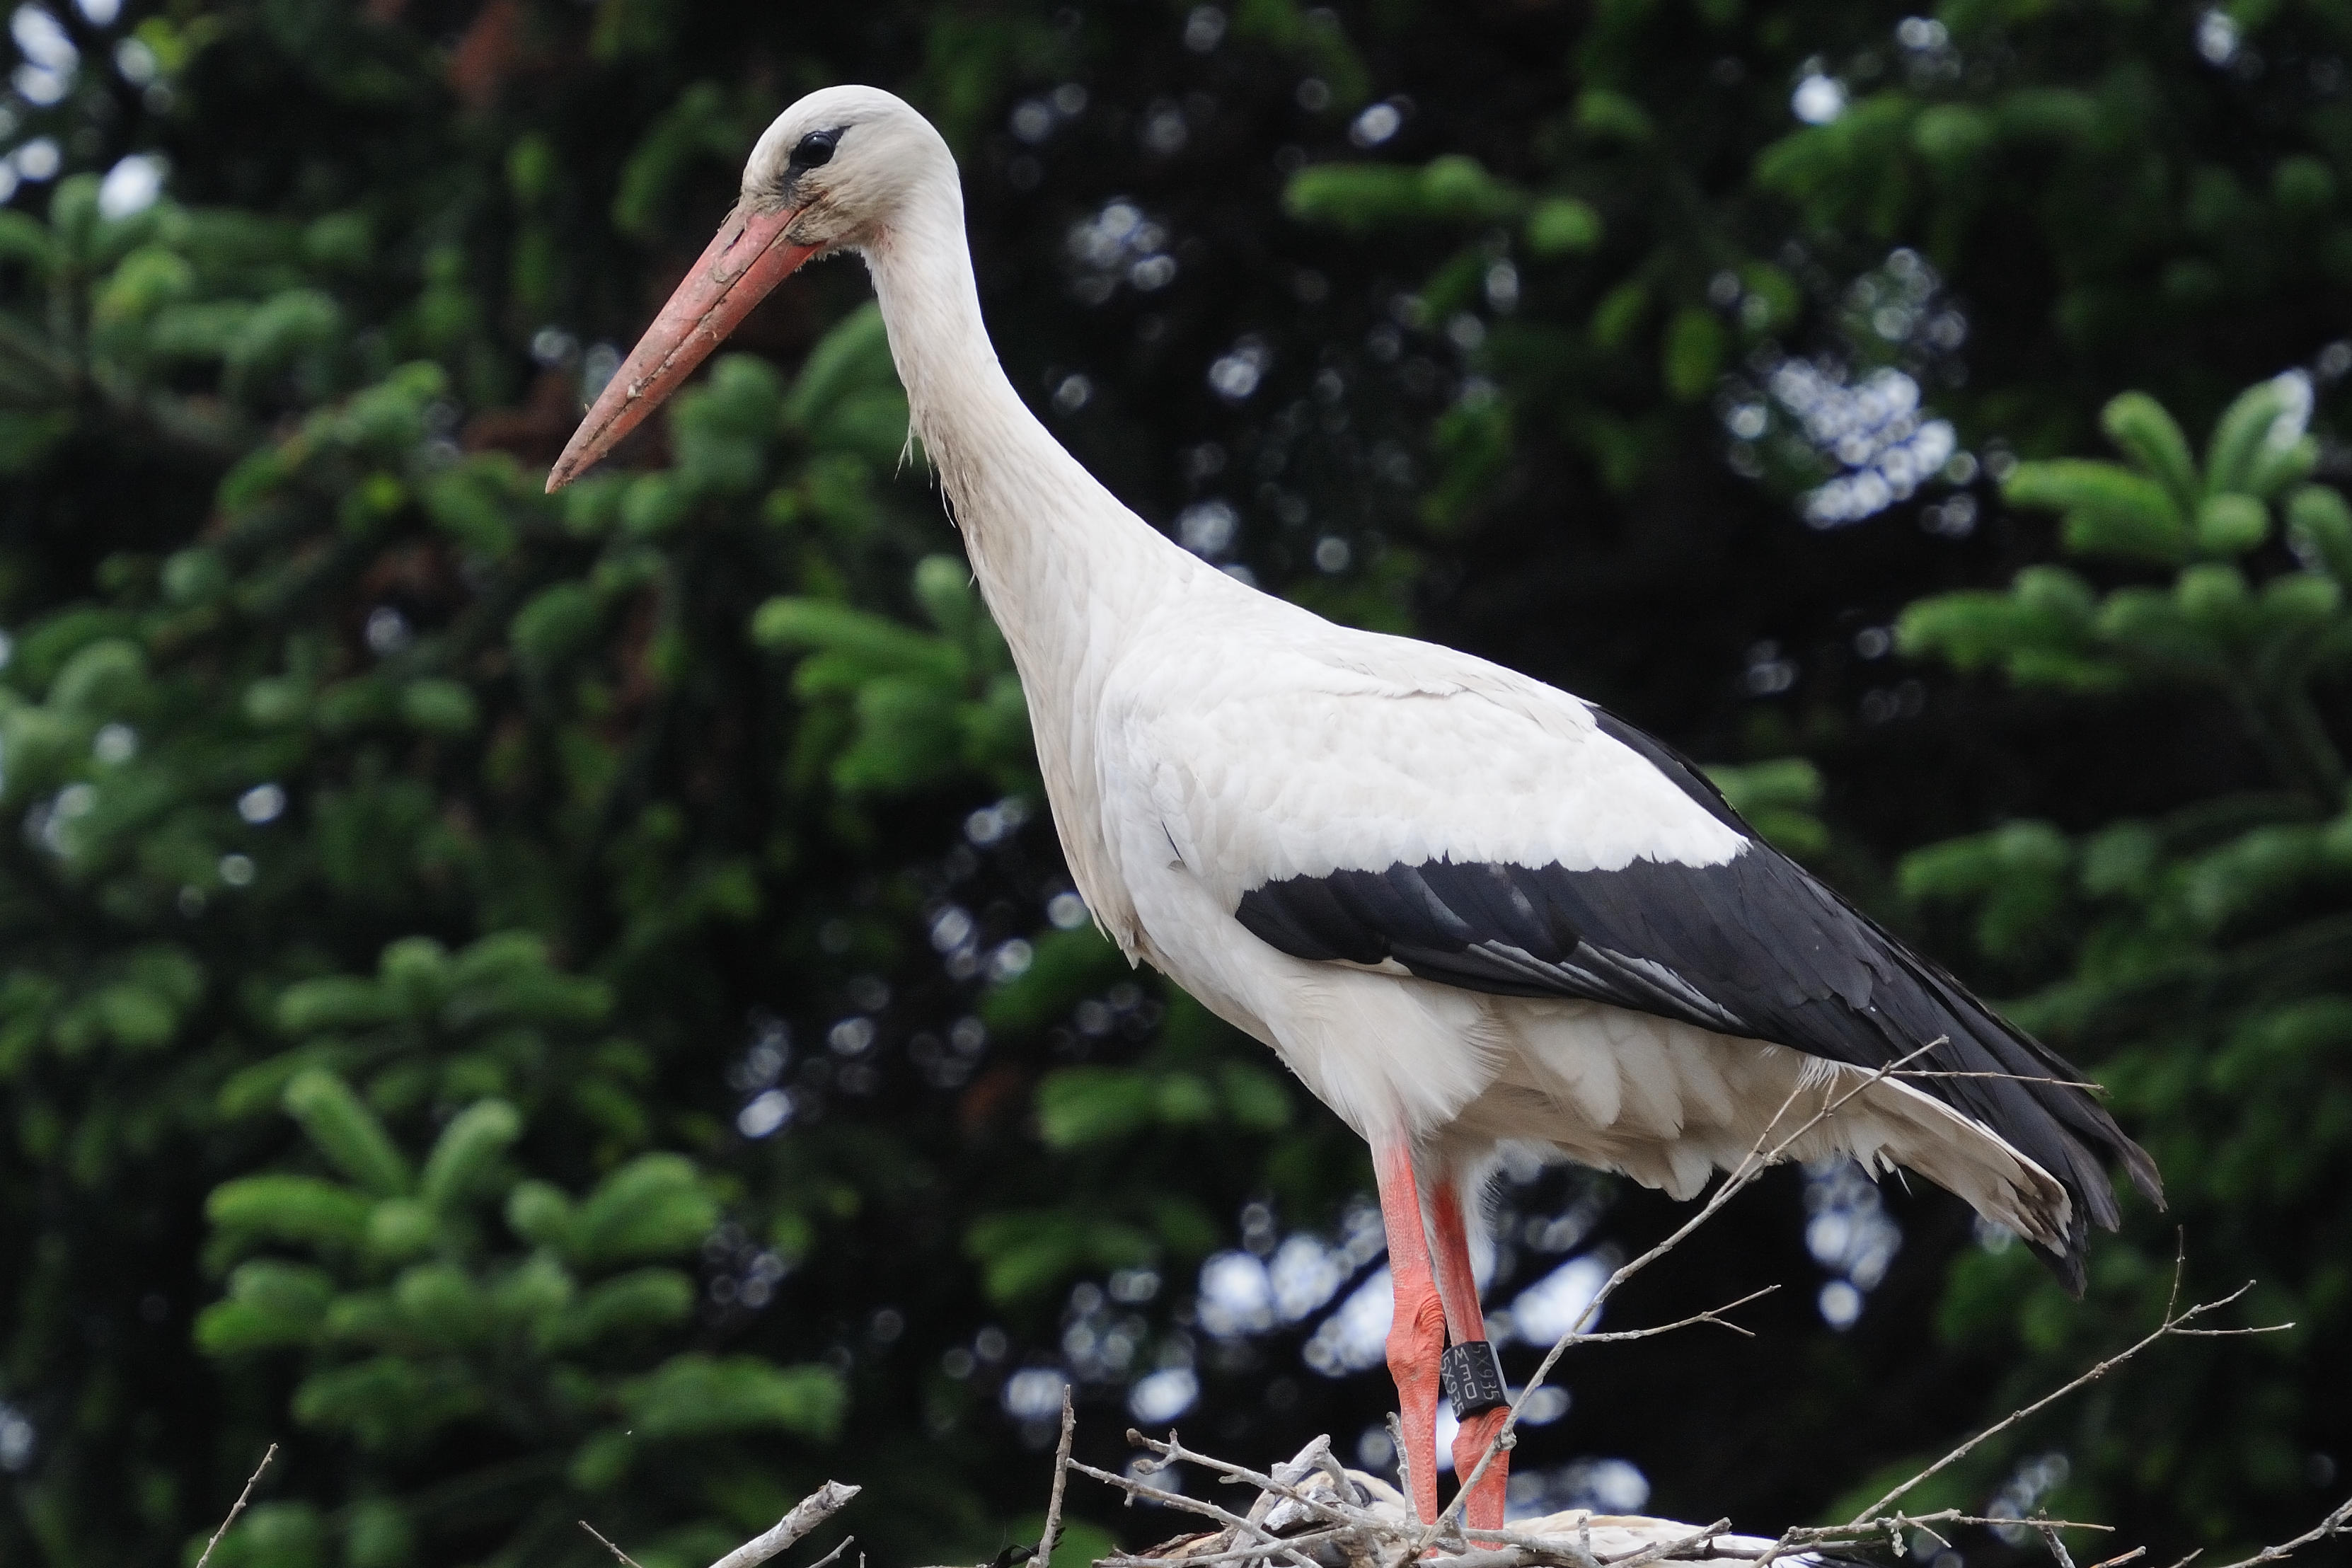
point(1473, 1379)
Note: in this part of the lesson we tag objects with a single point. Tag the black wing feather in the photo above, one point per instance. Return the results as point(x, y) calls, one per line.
point(1754, 947)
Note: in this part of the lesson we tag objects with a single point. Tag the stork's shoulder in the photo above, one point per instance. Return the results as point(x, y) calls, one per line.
point(1239, 650)
point(1264, 745)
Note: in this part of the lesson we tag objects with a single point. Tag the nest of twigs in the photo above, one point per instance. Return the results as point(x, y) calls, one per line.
point(1313, 1512)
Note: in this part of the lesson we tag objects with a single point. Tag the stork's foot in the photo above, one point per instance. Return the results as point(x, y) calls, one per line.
point(1484, 1509)
point(1416, 1338)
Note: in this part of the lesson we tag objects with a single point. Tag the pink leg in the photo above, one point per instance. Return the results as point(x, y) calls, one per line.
point(1417, 1333)
point(1457, 1288)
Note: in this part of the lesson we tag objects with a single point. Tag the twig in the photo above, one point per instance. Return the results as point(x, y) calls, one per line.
point(806, 1515)
point(1668, 1548)
point(1887, 1530)
point(1173, 1450)
point(2089, 1087)
point(1494, 1557)
point(2133, 1555)
point(1231, 1554)
point(239, 1507)
point(1553, 1554)
point(2172, 1324)
point(1286, 1477)
point(1518, 1538)
point(1404, 1467)
point(2338, 1522)
point(1061, 1476)
point(608, 1545)
point(2049, 1533)
point(1192, 1505)
point(1712, 1315)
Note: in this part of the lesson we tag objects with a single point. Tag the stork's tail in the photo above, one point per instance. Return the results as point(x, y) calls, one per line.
point(2032, 1099)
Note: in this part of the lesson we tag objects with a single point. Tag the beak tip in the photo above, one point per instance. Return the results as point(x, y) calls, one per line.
point(569, 464)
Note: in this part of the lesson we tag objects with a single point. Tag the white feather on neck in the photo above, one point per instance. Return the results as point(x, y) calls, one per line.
point(1063, 566)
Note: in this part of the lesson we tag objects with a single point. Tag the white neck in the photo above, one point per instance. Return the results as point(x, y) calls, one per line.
point(1065, 568)
point(1045, 537)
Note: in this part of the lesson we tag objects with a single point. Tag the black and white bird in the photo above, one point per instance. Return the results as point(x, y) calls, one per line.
point(1467, 908)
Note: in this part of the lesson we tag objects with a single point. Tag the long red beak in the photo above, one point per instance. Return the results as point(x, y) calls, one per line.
point(748, 257)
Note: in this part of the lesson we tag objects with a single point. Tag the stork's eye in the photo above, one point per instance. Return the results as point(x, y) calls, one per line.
point(814, 149)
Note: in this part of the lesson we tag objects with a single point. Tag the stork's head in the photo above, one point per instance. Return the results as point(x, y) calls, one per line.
point(832, 172)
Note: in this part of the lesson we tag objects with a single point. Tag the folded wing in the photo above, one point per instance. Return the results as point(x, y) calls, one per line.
point(1483, 831)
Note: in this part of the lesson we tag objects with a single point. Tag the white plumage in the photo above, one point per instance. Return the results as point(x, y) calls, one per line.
point(1465, 908)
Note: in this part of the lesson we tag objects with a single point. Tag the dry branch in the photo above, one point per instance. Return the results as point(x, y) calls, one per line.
point(802, 1517)
point(806, 1515)
point(1403, 1462)
point(1712, 1315)
point(1277, 1486)
point(607, 1543)
point(1232, 1521)
point(239, 1507)
point(2173, 1324)
point(2338, 1522)
point(1045, 1558)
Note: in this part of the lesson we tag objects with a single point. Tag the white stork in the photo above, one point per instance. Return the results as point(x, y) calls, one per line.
point(1465, 908)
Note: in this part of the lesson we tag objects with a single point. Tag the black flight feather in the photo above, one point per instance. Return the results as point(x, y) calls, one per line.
point(1754, 947)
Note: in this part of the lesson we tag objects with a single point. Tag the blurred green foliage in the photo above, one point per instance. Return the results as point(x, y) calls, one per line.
point(384, 691)
point(569, 1007)
point(2196, 954)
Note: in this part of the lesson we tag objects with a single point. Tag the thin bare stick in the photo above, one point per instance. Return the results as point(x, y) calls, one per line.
point(1193, 1505)
point(1404, 1467)
point(2173, 1322)
point(1876, 1527)
point(2013, 1076)
point(2338, 1522)
point(806, 1515)
point(1886, 1531)
point(1712, 1315)
point(1177, 1500)
point(1480, 1557)
point(1173, 1449)
point(607, 1544)
point(2049, 1533)
point(1231, 1554)
point(1553, 1554)
point(1835, 1537)
point(1519, 1537)
point(2135, 1554)
point(1061, 1476)
point(1288, 1475)
point(239, 1507)
point(1668, 1548)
